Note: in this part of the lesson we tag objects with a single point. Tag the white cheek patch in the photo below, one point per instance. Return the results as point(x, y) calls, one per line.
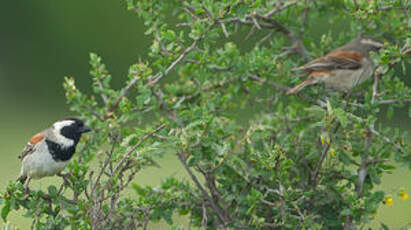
point(64, 141)
point(60, 124)
point(371, 42)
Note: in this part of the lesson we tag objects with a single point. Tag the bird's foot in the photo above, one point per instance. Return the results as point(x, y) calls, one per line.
point(26, 185)
point(64, 176)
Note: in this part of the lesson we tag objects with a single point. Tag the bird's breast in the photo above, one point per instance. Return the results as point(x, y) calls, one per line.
point(41, 163)
point(346, 79)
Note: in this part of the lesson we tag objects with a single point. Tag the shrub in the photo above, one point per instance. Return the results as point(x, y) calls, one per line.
point(309, 161)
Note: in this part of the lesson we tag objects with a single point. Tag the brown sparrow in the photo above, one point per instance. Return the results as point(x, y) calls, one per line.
point(341, 69)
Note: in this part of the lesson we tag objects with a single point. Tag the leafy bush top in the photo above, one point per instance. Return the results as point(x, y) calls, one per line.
point(309, 161)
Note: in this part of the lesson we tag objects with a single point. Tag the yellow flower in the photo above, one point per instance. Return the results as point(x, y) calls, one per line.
point(403, 194)
point(325, 139)
point(332, 152)
point(388, 200)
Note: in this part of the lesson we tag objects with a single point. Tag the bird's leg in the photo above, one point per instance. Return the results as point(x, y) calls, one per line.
point(360, 96)
point(26, 184)
point(60, 174)
point(65, 177)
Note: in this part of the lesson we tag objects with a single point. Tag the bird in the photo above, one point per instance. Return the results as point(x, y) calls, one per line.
point(343, 68)
point(48, 152)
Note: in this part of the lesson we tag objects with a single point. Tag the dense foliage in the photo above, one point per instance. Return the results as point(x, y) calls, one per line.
point(213, 94)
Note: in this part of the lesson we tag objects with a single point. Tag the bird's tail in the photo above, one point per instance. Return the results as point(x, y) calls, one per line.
point(22, 179)
point(301, 86)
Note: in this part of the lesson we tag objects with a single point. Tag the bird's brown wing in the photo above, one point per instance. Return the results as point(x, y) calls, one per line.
point(335, 60)
point(30, 145)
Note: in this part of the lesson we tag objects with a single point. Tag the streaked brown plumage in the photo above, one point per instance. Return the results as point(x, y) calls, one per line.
point(343, 68)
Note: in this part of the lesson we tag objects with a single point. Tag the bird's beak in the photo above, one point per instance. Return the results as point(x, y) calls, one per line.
point(85, 129)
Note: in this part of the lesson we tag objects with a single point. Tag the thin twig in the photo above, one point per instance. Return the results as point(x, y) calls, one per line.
point(250, 33)
point(124, 93)
point(126, 156)
point(305, 14)
point(224, 29)
point(394, 101)
point(375, 87)
point(322, 157)
point(202, 190)
point(105, 164)
point(363, 171)
point(386, 139)
point(279, 8)
point(103, 96)
point(405, 10)
point(255, 22)
point(355, 4)
point(204, 220)
point(284, 89)
point(265, 38)
point(156, 78)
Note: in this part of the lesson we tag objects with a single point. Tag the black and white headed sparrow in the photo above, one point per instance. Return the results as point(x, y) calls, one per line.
point(341, 69)
point(48, 152)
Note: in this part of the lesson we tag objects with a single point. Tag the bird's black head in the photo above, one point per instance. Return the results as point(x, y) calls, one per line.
point(71, 128)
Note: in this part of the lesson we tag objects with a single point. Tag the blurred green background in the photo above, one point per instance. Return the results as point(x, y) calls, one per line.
point(43, 41)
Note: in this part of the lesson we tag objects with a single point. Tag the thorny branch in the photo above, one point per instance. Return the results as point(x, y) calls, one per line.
point(97, 193)
point(215, 207)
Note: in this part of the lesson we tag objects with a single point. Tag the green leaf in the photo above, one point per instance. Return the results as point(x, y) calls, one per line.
point(390, 112)
point(329, 107)
point(384, 226)
point(5, 211)
point(387, 167)
point(52, 190)
point(346, 212)
point(341, 117)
